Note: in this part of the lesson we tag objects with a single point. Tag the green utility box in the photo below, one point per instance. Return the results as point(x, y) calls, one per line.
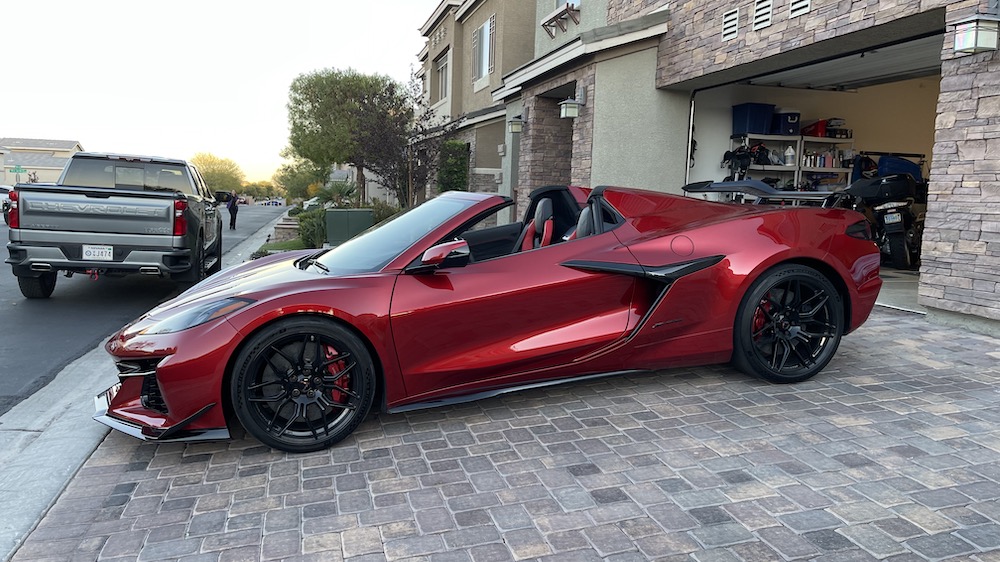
point(344, 224)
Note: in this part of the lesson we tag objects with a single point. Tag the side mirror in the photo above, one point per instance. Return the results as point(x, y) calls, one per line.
point(449, 254)
point(223, 196)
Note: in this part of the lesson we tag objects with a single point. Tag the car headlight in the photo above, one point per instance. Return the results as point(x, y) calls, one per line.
point(197, 315)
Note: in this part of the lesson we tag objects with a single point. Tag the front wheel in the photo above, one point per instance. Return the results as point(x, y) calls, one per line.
point(303, 384)
point(789, 325)
point(40, 287)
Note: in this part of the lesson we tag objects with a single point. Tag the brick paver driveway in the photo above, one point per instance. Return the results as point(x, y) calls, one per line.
point(892, 452)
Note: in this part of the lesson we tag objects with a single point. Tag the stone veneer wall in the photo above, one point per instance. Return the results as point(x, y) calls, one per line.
point(692, 47)
point(961, 254)
point(555, 151)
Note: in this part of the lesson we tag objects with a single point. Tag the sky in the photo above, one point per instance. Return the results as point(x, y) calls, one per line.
point(177, 77)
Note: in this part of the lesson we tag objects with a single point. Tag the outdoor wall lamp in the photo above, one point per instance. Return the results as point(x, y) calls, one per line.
point(980, 32)
point(570, 108)
point(516, 124)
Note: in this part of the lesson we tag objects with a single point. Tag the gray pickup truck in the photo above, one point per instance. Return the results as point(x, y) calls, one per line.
point(113, 215)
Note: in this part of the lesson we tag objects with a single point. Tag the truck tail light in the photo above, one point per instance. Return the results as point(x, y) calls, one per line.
point(180, 217)
point(13, 216)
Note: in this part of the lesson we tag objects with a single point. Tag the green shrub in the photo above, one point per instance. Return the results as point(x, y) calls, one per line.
point(294, 211)
point(382, 210)
point(312, 227)
point(453, 172)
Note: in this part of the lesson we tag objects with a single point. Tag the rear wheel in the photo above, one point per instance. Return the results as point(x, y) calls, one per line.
point(899, 254)
point(216, 254)
point(197, 271)
point(40, 287)
point(789, 325)
point(303, 384)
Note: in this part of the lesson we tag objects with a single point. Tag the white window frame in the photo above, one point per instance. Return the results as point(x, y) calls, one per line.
point(441, 65)
point(484, 49)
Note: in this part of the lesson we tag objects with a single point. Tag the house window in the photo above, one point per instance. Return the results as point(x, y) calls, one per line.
point(440, 78)
point(483, 47)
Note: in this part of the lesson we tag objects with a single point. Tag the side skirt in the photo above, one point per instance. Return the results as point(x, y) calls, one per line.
point(497, 392)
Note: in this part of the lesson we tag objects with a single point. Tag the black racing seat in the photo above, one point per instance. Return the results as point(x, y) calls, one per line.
point(584, 225)
point(537, 232)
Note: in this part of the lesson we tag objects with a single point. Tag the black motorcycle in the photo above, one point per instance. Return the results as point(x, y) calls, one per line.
point(895, 206)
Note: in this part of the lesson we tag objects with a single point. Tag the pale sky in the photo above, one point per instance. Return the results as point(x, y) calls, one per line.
point(176, 77)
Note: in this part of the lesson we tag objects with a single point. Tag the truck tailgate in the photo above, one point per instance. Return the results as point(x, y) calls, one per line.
point(96, 211)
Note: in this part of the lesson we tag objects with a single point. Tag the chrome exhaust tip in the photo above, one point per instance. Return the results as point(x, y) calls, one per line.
point(149, 270)
point(41, 267)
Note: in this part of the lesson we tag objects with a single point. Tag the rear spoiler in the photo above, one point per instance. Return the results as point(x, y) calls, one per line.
point(764, 193)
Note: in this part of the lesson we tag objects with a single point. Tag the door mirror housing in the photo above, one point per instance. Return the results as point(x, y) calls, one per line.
point(448, 254)
point(223, 196)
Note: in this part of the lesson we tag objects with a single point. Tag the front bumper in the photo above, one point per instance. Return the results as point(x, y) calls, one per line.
point(174, 433)
point(169, 385)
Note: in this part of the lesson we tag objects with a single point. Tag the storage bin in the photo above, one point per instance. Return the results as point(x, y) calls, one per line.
point(785, 123)
point(752, 118)
point(817, 129)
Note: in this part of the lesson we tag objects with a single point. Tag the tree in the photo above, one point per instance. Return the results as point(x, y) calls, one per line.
point(349, 118)
point(428, 134)
point(296, 177)
point(453, 173)
point(221, 174)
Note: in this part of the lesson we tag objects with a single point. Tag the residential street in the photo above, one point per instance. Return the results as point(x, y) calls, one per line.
point(892, 452)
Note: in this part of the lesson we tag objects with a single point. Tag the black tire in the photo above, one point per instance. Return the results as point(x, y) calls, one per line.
point(788, 326)
point(40, 287)
point(197, 270)
point(216, 253)
point(288, 387)
point(899, 254)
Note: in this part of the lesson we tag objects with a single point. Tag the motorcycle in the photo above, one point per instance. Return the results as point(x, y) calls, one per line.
point(896, 211)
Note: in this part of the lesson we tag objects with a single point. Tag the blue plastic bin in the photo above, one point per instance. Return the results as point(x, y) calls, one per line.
point(752, 118)
point(785, 123)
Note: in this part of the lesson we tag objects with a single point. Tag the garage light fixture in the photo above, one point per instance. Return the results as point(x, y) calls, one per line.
point(979, 33)
point(516, 124)
point(570, 108)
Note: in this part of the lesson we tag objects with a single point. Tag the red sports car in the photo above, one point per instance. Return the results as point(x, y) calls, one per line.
point(452, 301)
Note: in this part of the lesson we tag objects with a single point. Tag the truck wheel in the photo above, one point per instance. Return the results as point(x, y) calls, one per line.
point(216, 254)
point(197, 271)
point(40, 287)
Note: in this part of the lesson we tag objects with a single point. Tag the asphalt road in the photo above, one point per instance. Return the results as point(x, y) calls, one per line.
point(40, 337)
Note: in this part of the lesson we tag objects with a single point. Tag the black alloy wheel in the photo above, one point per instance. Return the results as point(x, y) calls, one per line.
point(789, 325)
point(303, 384)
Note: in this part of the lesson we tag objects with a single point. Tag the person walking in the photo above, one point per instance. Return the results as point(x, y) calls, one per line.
point(233, 206)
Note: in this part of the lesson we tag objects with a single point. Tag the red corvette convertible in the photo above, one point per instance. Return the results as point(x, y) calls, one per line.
point(451, 301)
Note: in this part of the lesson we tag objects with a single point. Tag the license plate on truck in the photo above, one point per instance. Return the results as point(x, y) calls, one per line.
point(98, 253)
point(893, 218)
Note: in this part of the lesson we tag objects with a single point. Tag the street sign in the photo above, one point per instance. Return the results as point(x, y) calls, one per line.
point(18, 169)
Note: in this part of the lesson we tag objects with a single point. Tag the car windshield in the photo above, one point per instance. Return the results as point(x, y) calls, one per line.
point(371, 250)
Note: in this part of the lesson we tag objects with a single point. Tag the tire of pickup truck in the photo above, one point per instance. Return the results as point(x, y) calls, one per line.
point(197, 271)
point(217, 254)
point(40, 287)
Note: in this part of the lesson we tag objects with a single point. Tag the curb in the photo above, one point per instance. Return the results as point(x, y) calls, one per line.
point(46, 438)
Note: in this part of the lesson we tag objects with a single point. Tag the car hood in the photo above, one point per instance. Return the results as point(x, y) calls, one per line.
point(245, 280)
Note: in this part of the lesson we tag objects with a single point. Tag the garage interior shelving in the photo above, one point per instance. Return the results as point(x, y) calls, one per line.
point(812, 155)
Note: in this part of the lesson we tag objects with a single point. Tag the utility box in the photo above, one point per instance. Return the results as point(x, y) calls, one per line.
point(344, 224)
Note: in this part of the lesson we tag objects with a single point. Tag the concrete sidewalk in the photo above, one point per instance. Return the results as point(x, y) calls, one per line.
point(46, 438)
point(893, 452)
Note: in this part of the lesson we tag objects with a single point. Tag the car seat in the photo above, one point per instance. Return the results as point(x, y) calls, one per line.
point(538, 231)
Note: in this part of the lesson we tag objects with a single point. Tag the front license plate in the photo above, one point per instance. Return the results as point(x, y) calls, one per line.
point(98, 253)
point(893, 218)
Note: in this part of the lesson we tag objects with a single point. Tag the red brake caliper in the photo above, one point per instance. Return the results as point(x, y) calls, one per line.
point(334, 369)
point(759, 318)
